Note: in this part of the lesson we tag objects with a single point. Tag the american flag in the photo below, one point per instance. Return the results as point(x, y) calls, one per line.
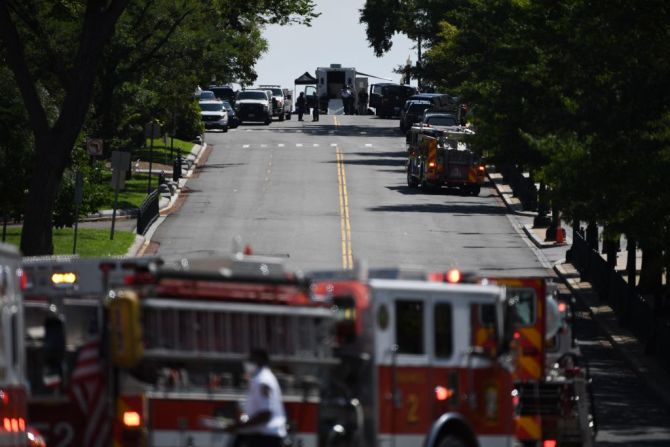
point(89, 390)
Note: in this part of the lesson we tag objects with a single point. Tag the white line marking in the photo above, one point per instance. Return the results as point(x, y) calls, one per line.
point(280, 145)
point(368, 145)
point(364, 133)
point(245, 146)
point(333, 144)
point(315, 145)
point(264, 145)
point(298, 145)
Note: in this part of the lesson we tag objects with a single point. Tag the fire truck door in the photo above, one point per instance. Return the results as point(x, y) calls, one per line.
point(402, 372)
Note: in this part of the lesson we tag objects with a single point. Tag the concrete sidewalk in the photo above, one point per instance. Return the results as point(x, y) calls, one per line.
point(631, 349)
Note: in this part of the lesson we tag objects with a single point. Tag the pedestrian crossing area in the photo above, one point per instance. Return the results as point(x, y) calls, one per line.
point(301, 145)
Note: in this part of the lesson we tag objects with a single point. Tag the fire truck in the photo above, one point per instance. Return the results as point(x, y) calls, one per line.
point(439, 156)
point(13, 386)
point(411, 372)
point(551, 379)
point(179, 336)
point(65, 321)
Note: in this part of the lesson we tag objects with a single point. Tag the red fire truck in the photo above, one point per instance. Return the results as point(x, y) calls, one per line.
point(439, 156)
point(179, 337)
point(13, 386)
point(551, 379)
point(411, 372)
point(64, 333)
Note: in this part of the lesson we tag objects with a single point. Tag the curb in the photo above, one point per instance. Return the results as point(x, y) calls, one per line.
point(142, 241)
point(505, 192)
point(624, 342)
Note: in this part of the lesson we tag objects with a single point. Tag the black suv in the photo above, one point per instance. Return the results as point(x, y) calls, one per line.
point(223, 92)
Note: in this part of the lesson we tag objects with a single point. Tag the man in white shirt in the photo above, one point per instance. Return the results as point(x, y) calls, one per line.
point(263, 423)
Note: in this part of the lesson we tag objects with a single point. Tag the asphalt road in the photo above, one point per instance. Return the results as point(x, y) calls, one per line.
point(324, 194)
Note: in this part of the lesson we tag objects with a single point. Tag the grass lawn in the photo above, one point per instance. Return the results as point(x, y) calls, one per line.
point(134, 193)
point(90, 242)
point(161, 152)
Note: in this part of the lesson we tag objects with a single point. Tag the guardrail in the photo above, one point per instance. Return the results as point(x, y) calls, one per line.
point(148, 212)
point(634, 311)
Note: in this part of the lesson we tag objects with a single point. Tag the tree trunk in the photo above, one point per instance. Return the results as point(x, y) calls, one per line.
point(592, 235)
point(631, 262)
point(651, 274)
point(36, 235)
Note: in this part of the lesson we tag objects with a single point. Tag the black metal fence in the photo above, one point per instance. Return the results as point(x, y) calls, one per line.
point(634, 311)
point(148, 212)
point(522, 187)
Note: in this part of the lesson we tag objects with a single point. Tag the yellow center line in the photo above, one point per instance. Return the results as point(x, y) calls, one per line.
point(345, 223)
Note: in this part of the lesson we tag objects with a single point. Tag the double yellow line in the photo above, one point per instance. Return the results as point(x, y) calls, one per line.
point(345, 223)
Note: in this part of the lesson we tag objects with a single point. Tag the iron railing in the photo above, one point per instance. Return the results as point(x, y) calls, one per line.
point(148, 212)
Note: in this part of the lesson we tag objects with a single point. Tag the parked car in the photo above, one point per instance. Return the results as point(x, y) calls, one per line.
point(214, 115)
point(223, 93)
point(233, 120)
point(412, 112)
point(387, 98)
point(207, 95)
point(281, 105)
point(439, 119)
point(254, 105)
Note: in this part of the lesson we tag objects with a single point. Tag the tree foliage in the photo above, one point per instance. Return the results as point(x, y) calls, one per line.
point(105, 67)
point(575, 91)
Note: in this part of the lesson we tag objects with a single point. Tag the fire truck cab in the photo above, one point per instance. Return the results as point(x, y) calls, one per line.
point(64, 310)
point(13, 385)
point(410, 363)
point(440, 156)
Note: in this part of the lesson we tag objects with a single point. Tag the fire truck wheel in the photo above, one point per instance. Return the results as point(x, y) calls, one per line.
point(451, 441)
point(282, 116)
point(412, 181)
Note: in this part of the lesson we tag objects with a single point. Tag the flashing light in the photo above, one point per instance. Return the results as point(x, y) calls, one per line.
point(443, 393)
point(63, 279)
point(22, 424)
point(562, 307)
point(131, 419)
point(7, 424)
point(454, 276)
point(549, 443)
point(517, 335)
point(481, 168)
point(431, 164)
point(23, 280)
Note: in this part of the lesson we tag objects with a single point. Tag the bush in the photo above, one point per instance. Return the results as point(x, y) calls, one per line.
point(189, 123)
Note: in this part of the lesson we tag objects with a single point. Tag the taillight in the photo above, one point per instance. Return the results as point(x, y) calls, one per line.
point(549, 443)
point(23, 280)
point(4, 397)
point(131, 419)
point(516, 399)
point(562, 307)
point(431, 164)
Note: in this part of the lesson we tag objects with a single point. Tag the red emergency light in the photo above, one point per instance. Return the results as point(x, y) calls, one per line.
point(454, 276)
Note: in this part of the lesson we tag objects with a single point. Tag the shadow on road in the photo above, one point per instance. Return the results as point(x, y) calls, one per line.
point(464, 209)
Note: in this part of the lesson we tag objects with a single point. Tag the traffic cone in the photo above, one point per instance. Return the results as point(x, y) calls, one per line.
point(560, 235)
point(247, 250)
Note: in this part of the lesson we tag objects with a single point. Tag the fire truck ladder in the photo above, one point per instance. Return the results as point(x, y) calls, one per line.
point(209, 330)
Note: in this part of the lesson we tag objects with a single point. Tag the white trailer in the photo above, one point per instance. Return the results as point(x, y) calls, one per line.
point(329, 84)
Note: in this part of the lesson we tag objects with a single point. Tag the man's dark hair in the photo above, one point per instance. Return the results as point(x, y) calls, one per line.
point(259, 356)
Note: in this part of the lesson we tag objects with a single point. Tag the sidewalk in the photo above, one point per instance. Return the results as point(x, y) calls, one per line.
point(631, 349)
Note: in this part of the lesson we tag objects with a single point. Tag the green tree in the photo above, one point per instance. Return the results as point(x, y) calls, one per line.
point(55, 50)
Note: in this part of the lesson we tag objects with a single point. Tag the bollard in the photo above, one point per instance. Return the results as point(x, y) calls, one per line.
point(176, 168)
